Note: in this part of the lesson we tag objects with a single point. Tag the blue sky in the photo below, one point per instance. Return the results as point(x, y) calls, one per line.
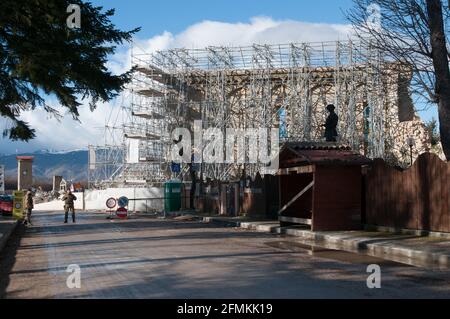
point(193, 23)
point(156, 17)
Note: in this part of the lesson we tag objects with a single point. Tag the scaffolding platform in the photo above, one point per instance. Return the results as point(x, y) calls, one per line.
point(155, 74)
point(150, 115)
point(150, 93)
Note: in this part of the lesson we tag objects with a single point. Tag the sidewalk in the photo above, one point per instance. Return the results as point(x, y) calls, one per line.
point(422, 251)
point(7, 227)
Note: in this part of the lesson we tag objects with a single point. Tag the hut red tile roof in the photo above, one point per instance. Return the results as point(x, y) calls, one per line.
point(295, 154)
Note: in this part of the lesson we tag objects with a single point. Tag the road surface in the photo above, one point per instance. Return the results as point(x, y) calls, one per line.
point(153, 258)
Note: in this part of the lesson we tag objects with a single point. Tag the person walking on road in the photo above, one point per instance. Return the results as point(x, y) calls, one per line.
point(69, 199)
point(29, 205)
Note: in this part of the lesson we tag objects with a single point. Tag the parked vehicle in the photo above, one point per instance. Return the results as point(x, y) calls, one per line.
point(6, 205)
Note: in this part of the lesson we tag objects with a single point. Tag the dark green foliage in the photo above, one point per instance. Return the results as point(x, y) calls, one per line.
point(40, 56)
point(433, 130)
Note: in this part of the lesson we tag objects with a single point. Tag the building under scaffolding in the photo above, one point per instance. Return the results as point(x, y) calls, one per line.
point(272, 86)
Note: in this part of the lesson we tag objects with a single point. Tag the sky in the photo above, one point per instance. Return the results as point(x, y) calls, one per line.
point(191, 24)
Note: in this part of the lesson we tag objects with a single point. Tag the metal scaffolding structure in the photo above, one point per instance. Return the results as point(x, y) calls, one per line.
point(284, 86)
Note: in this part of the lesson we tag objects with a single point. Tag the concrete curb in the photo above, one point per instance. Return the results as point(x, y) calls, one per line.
point(384, 249)
point(412, 232)
point(5, 236)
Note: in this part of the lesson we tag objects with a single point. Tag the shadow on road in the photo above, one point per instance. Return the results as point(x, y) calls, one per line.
point(8, 258)
point(93, 226)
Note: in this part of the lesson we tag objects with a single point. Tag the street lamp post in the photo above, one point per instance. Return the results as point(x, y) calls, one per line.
point(411, 143)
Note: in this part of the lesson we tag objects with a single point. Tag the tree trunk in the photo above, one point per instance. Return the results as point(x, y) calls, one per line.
point(441, 69)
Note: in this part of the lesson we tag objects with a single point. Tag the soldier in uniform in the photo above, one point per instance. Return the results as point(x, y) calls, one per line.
point(331, 125)
point(29, 205)
point(69, 199)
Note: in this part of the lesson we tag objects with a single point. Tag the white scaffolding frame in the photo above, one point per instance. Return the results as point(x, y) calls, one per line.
point(247, 87)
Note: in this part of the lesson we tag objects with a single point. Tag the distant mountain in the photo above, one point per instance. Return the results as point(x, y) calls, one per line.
point(72, 165)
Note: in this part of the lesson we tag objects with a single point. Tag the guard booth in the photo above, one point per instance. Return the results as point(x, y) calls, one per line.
point(321, 185)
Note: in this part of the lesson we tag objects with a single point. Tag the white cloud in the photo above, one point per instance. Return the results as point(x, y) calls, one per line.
point(69, 134)
point(65, 134)
point(259, 30)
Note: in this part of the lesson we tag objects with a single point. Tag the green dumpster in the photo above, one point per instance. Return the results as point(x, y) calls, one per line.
point(172, 196)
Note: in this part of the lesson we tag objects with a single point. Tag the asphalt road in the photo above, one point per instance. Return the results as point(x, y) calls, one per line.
point(153, 258)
